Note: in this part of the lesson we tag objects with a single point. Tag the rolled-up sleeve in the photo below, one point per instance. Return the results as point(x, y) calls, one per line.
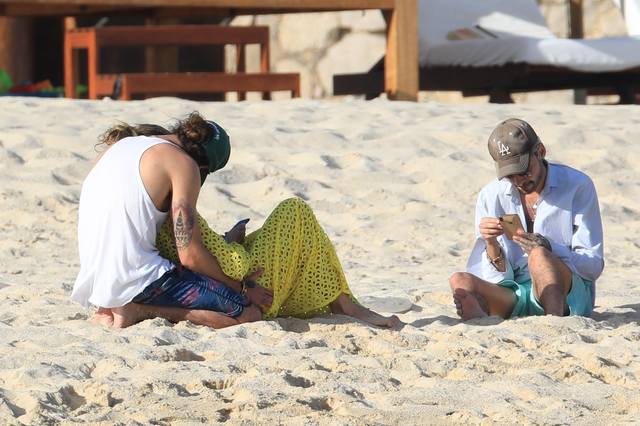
point(478, 263)
point(585, 256)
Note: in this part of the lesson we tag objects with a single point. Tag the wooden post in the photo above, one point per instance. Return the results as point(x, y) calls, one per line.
point(16, 52)
point(265, 64)
point(241, 66)
point(576, 30)
point(401, 61)
point(71, 61)
point(576, 22)
point(93, 67)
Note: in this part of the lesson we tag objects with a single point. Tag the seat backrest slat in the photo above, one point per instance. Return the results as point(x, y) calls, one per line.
point(175, 35)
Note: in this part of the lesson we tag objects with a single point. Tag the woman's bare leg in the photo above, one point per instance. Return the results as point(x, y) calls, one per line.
point(344, 305)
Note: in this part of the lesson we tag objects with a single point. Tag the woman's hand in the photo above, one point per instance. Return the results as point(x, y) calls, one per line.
point(490, 228)
point(260, 296)
point(257, 294)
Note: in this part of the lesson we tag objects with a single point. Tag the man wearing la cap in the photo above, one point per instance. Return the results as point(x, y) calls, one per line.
point(552, 265)
point(145, 173)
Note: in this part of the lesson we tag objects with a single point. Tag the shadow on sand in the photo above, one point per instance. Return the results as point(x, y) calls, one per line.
point(614, 316)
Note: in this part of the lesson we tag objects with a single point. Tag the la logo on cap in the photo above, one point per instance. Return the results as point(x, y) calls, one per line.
point(503, 149)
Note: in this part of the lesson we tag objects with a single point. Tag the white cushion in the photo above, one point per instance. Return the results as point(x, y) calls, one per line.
point(438, 17)
point(512, 31)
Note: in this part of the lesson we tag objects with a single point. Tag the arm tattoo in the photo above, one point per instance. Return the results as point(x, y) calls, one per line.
point(183, 220)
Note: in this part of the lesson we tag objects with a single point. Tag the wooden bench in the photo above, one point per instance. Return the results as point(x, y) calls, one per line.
point(149, 83)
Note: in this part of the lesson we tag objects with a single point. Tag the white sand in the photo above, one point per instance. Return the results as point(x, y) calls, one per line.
point(395, 185)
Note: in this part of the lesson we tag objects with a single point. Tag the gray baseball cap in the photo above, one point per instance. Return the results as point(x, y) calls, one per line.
point(510, 144)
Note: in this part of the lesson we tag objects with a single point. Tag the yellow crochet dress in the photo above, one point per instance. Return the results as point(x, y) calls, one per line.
point(300, 264)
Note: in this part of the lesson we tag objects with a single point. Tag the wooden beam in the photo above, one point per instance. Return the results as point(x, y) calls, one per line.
point(67, 7)
point(37, 9)
point(401, 60)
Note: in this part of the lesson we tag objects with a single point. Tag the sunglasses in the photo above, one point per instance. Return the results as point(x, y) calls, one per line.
point(527, 173)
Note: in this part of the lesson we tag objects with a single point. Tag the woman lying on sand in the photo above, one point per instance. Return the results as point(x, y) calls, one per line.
point(286, 268)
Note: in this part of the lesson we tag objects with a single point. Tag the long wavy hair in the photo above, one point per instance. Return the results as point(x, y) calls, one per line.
point(192, 132)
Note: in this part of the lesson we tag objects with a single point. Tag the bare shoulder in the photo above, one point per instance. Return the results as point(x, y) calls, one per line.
point(170, 156)
point(168, 149)
point(163, 169)
point(175, 164)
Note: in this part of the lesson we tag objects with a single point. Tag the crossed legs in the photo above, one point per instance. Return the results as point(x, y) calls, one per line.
point(476, 298)
point(132, 313)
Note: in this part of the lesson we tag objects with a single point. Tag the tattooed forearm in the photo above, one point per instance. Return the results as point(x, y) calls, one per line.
point(183, 220)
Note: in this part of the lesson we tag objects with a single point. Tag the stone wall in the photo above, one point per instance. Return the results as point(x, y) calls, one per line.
point(318, 45)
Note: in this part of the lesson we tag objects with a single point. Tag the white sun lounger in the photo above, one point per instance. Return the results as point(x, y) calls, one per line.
point(499, 47)
point(513, 31)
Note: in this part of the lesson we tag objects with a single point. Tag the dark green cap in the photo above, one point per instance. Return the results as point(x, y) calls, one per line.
point(217, 148)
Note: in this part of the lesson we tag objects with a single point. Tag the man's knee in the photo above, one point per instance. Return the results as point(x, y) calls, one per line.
point(250, 314)
point(461, 280)
point(537, 255)
point(546, 266)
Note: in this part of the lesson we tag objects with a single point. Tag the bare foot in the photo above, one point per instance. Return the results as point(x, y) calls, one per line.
point(393, 322)
point(103, 317)
point(467, 305)
point(130, 314)
point(344, 305)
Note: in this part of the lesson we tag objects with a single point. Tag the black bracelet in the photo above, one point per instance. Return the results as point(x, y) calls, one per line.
point(247, 284)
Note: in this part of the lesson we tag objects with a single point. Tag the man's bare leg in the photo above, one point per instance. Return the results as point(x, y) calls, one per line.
point(551, 280)
point(133, 313)
point(479, 297)
point(344, 305)
point(103, 317)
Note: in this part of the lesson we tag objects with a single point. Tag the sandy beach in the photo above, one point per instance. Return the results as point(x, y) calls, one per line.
point(394, 184)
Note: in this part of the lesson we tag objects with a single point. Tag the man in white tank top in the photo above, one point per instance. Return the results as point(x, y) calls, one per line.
point(125, 199)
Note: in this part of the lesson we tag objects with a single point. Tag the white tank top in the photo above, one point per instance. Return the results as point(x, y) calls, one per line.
point(117, 229)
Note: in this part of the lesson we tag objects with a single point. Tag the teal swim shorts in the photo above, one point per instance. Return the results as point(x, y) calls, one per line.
point(579, 299)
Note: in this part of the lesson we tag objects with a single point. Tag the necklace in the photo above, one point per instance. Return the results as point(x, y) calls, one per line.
point(532, 208)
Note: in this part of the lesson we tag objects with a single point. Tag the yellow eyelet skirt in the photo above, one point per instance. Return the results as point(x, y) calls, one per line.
point(300, 264)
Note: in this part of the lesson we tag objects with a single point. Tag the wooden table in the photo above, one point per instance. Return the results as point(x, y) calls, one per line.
point(401, 60)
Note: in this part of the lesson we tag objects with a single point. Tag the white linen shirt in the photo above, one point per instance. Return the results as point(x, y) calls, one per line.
point(567, 215)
